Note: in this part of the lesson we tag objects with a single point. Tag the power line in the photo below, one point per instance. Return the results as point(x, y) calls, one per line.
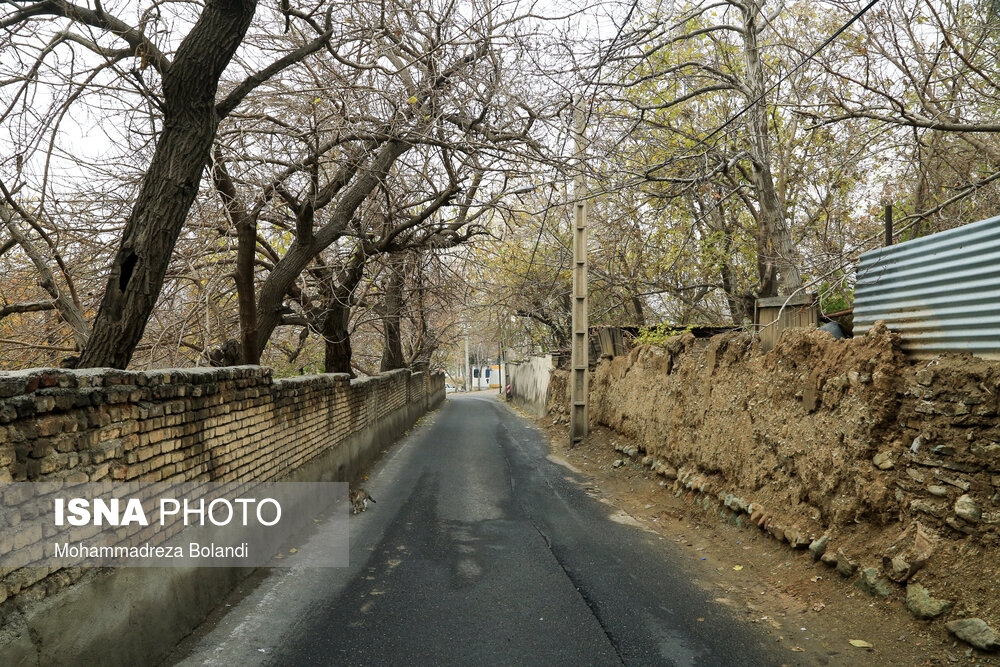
point(704, 140)
point(801, 63)
point(607, 54)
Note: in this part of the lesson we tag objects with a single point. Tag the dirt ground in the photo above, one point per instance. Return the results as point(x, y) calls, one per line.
point(805, 605)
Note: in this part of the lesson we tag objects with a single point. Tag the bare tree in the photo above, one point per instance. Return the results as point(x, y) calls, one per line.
point(388, 158)
point(186, 110)
point(924, 71)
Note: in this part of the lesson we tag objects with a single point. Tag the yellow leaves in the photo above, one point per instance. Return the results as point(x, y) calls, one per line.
point(140, 53)
point(282, 241)
point(412, 100)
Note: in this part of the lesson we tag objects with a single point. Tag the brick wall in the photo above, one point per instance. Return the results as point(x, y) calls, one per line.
point(219, 425)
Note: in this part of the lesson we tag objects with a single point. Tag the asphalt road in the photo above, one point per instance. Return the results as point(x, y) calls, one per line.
point(481, 550)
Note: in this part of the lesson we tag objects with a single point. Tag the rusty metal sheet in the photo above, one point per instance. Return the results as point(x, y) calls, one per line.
point(941, 293)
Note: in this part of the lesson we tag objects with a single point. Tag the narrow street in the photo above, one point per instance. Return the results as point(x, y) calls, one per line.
point(481, 550)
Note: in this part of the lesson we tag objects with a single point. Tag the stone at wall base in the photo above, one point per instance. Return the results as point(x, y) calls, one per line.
point(922, 605)
point(974, 631)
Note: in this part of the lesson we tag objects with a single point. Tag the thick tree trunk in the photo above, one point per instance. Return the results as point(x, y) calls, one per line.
point(336, 332)
point(336, 322)
point(170, 184)
point(246, 252)
point(776, 254)
point(392, 304)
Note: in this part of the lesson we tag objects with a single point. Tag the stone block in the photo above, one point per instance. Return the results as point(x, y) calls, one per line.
point(873, 583)
point(976, 632)
point(922, 605)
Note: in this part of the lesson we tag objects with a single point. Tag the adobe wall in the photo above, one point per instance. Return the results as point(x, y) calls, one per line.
point(819, 438)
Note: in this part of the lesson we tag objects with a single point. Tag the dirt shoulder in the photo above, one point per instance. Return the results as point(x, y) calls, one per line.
point(804, 604)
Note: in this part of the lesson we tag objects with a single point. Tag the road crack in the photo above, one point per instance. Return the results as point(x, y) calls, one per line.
point(508, 440)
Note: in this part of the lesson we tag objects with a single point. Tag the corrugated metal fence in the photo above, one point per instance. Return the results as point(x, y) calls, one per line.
point(940, 292)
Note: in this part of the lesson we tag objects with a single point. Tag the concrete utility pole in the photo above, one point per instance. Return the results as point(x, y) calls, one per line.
point(579, 352)
point(468, 385)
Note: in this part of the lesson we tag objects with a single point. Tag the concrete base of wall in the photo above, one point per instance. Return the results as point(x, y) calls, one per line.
point(116, 616)
point(532, 407)
point(133, 616)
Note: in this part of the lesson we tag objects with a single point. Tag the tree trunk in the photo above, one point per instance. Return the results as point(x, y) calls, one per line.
point(170, 184)
point(424, 342)
point(776, 254)
point(287, 270)
point(638, 311)
point(336, 332)
point(392, 304)
point(336, 322)
point(67, 308)
point(246, 250)
point(737, 307)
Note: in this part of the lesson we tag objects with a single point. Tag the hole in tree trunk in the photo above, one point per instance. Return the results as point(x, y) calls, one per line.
point(128, 265)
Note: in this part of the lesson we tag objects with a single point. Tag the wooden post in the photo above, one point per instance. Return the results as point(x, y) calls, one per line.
point(888, 224)
point(579, 358)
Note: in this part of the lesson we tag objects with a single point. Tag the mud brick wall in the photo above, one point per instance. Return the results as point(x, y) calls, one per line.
point(837, 430)
point(219, 424)
point(844, 439)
